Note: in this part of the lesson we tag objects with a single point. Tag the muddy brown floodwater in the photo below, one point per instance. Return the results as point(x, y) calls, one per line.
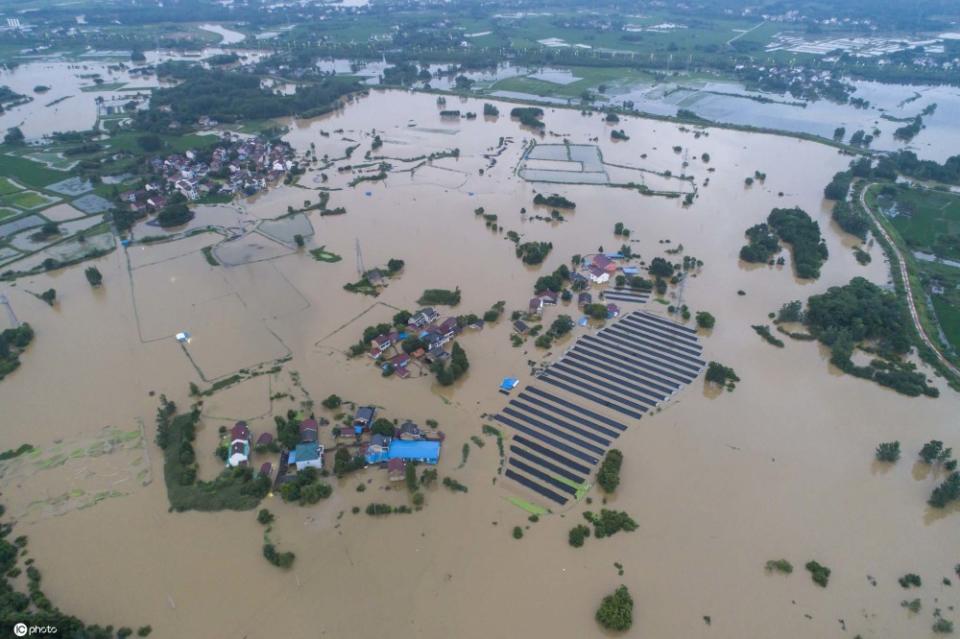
point(719, 484)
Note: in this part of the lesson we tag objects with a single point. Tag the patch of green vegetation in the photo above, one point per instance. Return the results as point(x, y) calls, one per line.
point(819, 573)
point(322, 255)
point(927, 220)
point(721, 375)
point(608, 476)
point(208, 255)
point(27, 171)
point(440, 296)
point(362, 286)
point(779, 565)
point(764, 331)
point(616, 610)
point(233, 489)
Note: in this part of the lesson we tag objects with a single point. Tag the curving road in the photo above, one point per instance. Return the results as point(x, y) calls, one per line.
point(905, 278)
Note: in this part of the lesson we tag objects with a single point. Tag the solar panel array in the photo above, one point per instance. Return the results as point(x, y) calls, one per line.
point(625, 295)
point(627, 368)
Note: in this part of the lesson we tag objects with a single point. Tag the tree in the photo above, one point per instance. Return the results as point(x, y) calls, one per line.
point(137, 56)
point(332, 402)
point(608, 476)
point(265, 517)
point(93, 276)
point(819, 573)
point(562, 325)
point(382, 426)
point(578, 534)
point(410, 476)
point(298, 239)
point(49, 296)
point(616, 610)
point(705, 319)
point(888, 451)
point(175, 214)
point(150, 142)
point(401, 318)
point(517, 532)
point(932, 451)
point(14, 136)
point(660, 267)
point(839, 133)
point(394, 265)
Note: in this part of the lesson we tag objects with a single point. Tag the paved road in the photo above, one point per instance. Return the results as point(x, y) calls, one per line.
point(905, 277)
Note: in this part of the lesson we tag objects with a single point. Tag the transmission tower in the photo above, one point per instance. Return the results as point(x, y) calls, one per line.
point(360, 269)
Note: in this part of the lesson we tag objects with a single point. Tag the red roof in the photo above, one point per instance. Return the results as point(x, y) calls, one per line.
point(308, 424)
point(266, 469)
point(264, 439)
point(395, 465)
point(240, 431)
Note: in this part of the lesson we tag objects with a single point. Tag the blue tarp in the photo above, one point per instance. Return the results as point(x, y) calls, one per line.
point(509, 383)
point(630, 270)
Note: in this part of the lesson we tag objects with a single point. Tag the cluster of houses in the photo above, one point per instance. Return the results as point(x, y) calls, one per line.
point(238, 166)
point(238, 452)
point(596, 269)
point(433, 335)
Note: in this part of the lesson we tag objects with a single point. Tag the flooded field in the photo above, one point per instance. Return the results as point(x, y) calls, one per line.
point(719, 483)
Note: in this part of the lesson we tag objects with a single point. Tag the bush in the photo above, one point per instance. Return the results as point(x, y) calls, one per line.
point(517, 532)
point(910, 579)
point(279, 559)
point(265, 516)
point(610, 522)
point(578, 534)
point(779, 565)
point(93, 276)
point(705, 319)
point(616, 610)
point(888, 451)
point(819, 573)
point(332, 402)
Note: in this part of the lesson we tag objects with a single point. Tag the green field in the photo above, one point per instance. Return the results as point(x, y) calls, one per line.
point(928, 220)
point(7, 187)
point(26, 200)
point(948, 314)
point(106, 86)
point(27, 171)
point(5, 212)
point(590, 78)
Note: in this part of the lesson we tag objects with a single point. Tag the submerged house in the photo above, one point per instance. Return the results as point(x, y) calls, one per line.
point(239, 451)
point(363, 418)
point(306, 456)
point(308, 431)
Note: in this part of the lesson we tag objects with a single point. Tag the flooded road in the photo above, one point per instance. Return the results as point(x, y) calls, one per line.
point(719, 484)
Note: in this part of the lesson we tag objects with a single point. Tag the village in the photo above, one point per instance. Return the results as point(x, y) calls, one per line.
point(240, 165)
point(360, 440)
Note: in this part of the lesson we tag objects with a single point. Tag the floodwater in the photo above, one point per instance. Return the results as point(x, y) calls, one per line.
point(719, 484)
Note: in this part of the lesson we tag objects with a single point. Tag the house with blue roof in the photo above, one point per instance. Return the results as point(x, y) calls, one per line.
point(307, 455)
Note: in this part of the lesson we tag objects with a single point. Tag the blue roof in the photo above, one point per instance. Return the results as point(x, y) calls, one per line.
point(304, 452)
point(425, 451)
point(630, 270)
point(509, 383)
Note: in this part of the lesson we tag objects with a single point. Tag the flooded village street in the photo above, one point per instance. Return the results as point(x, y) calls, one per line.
point(718, 482)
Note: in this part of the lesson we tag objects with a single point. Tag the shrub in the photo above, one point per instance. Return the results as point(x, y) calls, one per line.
point(705, 319)
point(265, 516)
point(616, 610)
point(779, 565)
point(517, 532)
point(909, 579)
point(93, 276)
point(819, 573)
